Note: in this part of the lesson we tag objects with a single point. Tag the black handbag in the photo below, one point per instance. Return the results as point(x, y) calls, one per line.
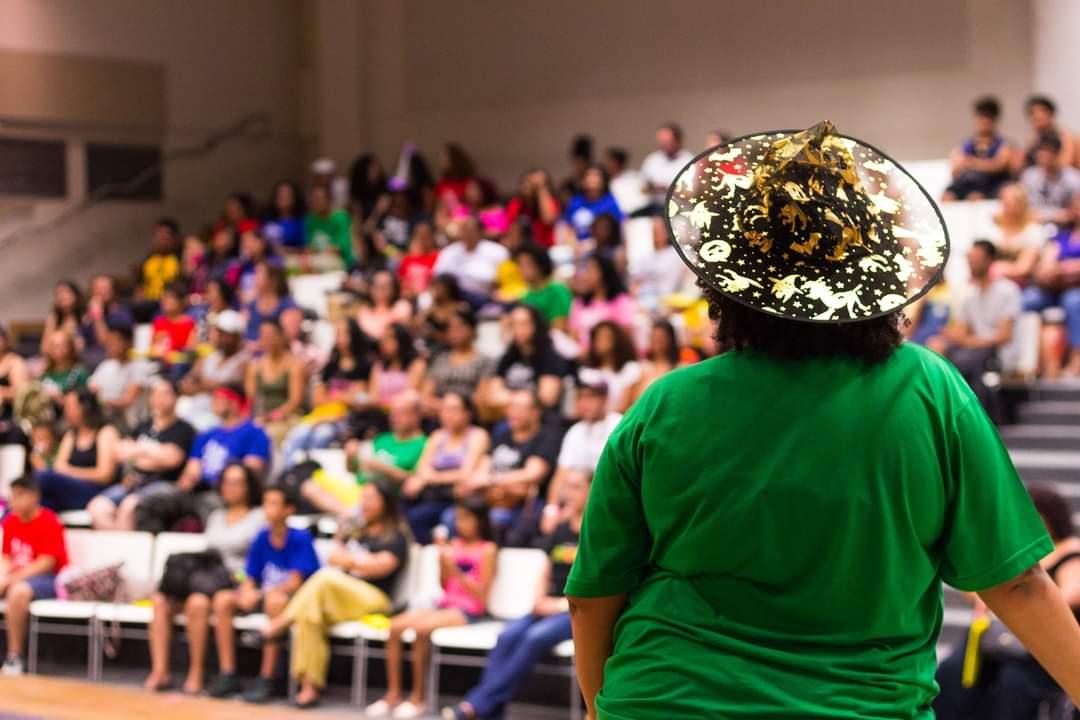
point(199, 572)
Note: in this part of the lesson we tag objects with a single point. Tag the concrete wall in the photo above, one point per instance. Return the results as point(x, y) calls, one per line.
point(220, 61)
point(1057, 56)
point(515, 81)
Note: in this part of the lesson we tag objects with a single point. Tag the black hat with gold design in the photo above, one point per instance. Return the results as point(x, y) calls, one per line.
point(812, 226)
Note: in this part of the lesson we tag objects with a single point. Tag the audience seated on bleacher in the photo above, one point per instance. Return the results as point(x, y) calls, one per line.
point(981, 164)
point(271, 299)
point(398, 368)
point(525, 640)
point(417, 266)
point(594, 200)
point(103, 310)
point(984, 325)
point(389, 457)
point(584, 441)
point(626, 184)
point(661, 358)
point(460, 368)
point(537, 204)
point(466, 572)
point(1041, 112)
point(328, 231)
point(62, 370)
point(236, 439)
point(363, 567)
point(1051, 185)
point(174, 336)
point(14, 376)
point(32, 555)
point(85, 463)
point(151, 459)
point(283, 224)
point(530, 361)
point(384, 307)
point(254, 249)
point(1057, 282)
point(120, 380)
point(225, 365)
point(66, 313)
point(601, 295)
point(471, 260)
point(342, 386)
point(450, 458)
point(162, 265)
point(548, 295)
point(611, 359)
point(663, 164)
point(280, 560)
point(230, 531)
point(218, 298)
point(1018, 236)
point(275, 383)
point(1012, 685)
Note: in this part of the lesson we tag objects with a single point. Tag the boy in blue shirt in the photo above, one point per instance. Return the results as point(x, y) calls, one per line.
point(279, 561)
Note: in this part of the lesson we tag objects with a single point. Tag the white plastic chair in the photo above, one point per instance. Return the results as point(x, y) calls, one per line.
point(513, 593)
point(90, 550)
point(12, 465)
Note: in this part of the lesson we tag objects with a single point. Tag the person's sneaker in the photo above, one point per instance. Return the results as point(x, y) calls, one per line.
point(261, 692)
point(225, 685)
point(13, 666)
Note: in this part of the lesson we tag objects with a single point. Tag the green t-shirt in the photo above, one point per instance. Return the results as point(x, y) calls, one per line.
point(783, 530)
point(332, 231)
point(553, 300)
point(403, 454)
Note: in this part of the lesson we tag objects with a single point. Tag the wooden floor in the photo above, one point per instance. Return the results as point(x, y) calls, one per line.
point(34, 696)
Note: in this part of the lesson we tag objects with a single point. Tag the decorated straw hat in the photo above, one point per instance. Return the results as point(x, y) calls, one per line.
point(812, 226)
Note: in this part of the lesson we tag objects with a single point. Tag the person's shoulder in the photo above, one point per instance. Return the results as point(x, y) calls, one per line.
point(299, 538)
point(1005, 287)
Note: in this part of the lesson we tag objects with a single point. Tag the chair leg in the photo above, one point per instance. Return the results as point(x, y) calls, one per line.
point(94, 650)
point(359, 678)
point(32, 646)
point(434, 658)
point(575, 695)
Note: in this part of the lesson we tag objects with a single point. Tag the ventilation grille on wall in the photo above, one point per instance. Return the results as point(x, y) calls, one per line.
point(36, 168)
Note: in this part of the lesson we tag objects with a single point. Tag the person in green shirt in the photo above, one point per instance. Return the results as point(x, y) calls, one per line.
point(394, 455)
point(326, 229)
point(769, 530)
point(551, 297)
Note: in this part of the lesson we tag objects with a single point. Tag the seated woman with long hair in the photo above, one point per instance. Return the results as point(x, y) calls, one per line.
point(451, 455)
point(364, 566)
point(661, 358)
point(85, 463)
point(466, 572)
point(229, 531)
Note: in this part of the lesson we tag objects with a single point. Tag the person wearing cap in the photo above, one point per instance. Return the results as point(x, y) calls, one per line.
point(32, 554)
point(583, 442)
point(226, 365)
point(769, 530)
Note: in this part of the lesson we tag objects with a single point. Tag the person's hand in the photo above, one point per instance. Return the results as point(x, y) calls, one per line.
point(412, 486)
point(247, 597)
point(954, 333)
point(340, 558)
point(549, 519)
point(447, 562)
point(187, 482)
point(125, 449)
point(5, 581)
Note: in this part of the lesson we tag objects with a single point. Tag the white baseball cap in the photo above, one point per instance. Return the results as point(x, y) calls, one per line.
point(230, 321)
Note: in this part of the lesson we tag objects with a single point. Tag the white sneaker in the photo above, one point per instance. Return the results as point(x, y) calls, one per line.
point(377, 709)
point(13, 666)
point(409, 711)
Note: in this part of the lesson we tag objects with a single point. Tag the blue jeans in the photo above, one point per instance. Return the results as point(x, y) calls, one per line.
point(424, 516)
point(520, 646)
point(1036, 299)
point(61, 492)
point(308, 436)
point(43, 587)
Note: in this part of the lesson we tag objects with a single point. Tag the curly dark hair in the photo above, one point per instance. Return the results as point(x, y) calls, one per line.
point(740, 327)
point(1054, 510)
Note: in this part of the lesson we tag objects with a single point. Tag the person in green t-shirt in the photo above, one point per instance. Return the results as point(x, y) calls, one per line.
point(328, 229)
point(769, 530)
point(395, 454)
point(551, 297)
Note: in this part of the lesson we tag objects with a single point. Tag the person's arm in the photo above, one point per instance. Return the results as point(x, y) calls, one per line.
point(547, 605)
point(1068, 581)
point(38, 566)
point(416, 373)
point(1035, 610)
point(593, 623)
point(999, 338)
point(292, 582)
point(547, 205)
point(549, 389)
point(18, 375)
point(476, 445)
point(377, 467)
point(157, 456)
point(250, 379)
point(957, 161)
point(1022, 267)
point(50, 328)
point(191, 475)
point(533, 471)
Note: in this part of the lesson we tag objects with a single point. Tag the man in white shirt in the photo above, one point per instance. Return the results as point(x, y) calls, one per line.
point(625, 184)
point(472, 260)
point(585, 440)
point(662, 165)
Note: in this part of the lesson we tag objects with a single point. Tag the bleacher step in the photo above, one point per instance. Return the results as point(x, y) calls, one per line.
point(1057, 391)
point(1051, 412)
point(1041, 437)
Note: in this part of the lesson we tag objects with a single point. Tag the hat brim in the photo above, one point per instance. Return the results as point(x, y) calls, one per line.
point(773, 274)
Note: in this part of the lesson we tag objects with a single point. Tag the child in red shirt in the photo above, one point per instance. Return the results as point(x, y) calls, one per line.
point(173, 329)
point(33, 552)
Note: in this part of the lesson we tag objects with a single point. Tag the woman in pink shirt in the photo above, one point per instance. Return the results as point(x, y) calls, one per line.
point(601, 295)
point(385, 306)
point(466, 570)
